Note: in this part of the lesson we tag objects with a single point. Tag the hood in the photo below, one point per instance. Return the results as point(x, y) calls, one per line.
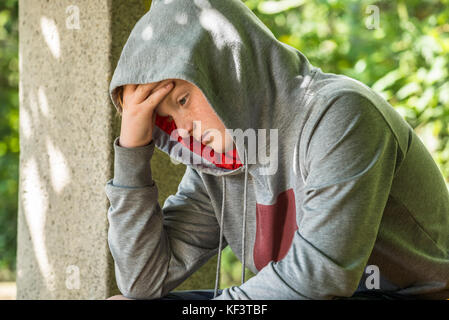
point(243, 71)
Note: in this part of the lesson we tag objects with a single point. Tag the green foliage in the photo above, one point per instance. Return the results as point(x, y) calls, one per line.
point(9, 137)
point(231, 274)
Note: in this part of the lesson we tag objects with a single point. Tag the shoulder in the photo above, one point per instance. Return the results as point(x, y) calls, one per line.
point(348, 135)
point(345, 115)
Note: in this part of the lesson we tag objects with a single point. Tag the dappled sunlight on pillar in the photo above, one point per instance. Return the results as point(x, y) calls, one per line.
point(58, 167)
point(34, 108)
point(51, 36)
point(35, 202)
point(25, 123)
point(43, 102)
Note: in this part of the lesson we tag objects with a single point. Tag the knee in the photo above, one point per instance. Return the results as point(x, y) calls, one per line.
point(118, 297)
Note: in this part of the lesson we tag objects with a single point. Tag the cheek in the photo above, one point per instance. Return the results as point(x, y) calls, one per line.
point(162, 111)
point(200, 110)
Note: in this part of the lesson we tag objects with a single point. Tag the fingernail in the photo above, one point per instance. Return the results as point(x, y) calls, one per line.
point(168, 86)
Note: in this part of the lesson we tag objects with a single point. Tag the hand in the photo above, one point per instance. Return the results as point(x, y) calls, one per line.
point(139, 116)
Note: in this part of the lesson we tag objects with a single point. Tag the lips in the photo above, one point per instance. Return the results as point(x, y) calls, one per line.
point(206, 137)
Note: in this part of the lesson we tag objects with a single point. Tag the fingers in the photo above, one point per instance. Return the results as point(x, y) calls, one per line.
point(142, 91)
point(148, 93)
point(158, 95)
point(129, 89)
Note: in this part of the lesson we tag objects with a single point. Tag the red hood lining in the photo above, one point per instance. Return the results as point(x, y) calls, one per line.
point(209, 154)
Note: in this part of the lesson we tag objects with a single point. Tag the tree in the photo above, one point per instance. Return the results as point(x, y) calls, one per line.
point(9, 136)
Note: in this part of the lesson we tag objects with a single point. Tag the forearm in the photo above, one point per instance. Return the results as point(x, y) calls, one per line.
point(155, 249)
point(136, 236)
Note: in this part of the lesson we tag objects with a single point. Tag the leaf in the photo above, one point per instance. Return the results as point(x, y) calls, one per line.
point(408, 89)
point(274, 7)
point(388, 80)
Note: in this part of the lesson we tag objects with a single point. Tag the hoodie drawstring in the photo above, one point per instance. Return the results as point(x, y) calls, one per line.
point(244, 217)
point(220, 245)
point(217, 275)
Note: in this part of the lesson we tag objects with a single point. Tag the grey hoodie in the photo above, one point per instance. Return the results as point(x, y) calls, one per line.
point(350, 192)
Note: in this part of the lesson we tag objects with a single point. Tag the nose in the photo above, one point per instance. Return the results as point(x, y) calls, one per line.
point(185, 128)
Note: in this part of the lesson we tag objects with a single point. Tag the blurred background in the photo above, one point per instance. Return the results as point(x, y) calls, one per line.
point(399, 48)
point(9, 144)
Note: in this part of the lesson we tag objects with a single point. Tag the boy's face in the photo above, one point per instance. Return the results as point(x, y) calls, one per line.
point(186, 105)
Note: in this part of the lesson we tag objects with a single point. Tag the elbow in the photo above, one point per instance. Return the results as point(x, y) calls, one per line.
point(340, 287)
point(344, 290)
point(137, 290)
point(136, 293)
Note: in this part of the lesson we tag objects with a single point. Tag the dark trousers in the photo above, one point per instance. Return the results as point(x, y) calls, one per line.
point(190, 295)
point(209, 294)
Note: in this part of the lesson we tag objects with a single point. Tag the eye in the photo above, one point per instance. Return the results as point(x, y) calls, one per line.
point(183, 101)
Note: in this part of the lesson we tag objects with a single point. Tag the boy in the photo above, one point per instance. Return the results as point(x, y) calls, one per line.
point(331, 181)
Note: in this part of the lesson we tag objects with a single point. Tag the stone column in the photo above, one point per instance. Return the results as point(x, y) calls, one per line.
point(67, 54)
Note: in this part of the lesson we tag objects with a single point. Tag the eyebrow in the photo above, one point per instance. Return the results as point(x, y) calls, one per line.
point(171, 100)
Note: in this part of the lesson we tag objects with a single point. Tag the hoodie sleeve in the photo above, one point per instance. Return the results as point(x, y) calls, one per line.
point(349, 167)
point(154, 249)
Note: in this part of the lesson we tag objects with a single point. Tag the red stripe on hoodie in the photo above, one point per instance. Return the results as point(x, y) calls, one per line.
point(229, 160)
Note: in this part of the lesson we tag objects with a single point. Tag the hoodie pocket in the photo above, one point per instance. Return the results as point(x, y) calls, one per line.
point(275, 227)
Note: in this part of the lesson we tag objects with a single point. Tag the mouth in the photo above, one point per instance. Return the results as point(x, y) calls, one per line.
point(206, 138)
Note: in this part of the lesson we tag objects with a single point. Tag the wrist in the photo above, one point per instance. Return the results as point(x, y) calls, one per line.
point(132, 166)
point(132, 145)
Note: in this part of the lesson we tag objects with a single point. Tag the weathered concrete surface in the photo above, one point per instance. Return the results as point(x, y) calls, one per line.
point(67, 127)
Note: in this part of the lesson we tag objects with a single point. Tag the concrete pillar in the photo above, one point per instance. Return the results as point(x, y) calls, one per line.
point(68, 52)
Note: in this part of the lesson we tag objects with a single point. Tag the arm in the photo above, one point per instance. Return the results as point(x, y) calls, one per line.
point(156, 249)
point(349, 164)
